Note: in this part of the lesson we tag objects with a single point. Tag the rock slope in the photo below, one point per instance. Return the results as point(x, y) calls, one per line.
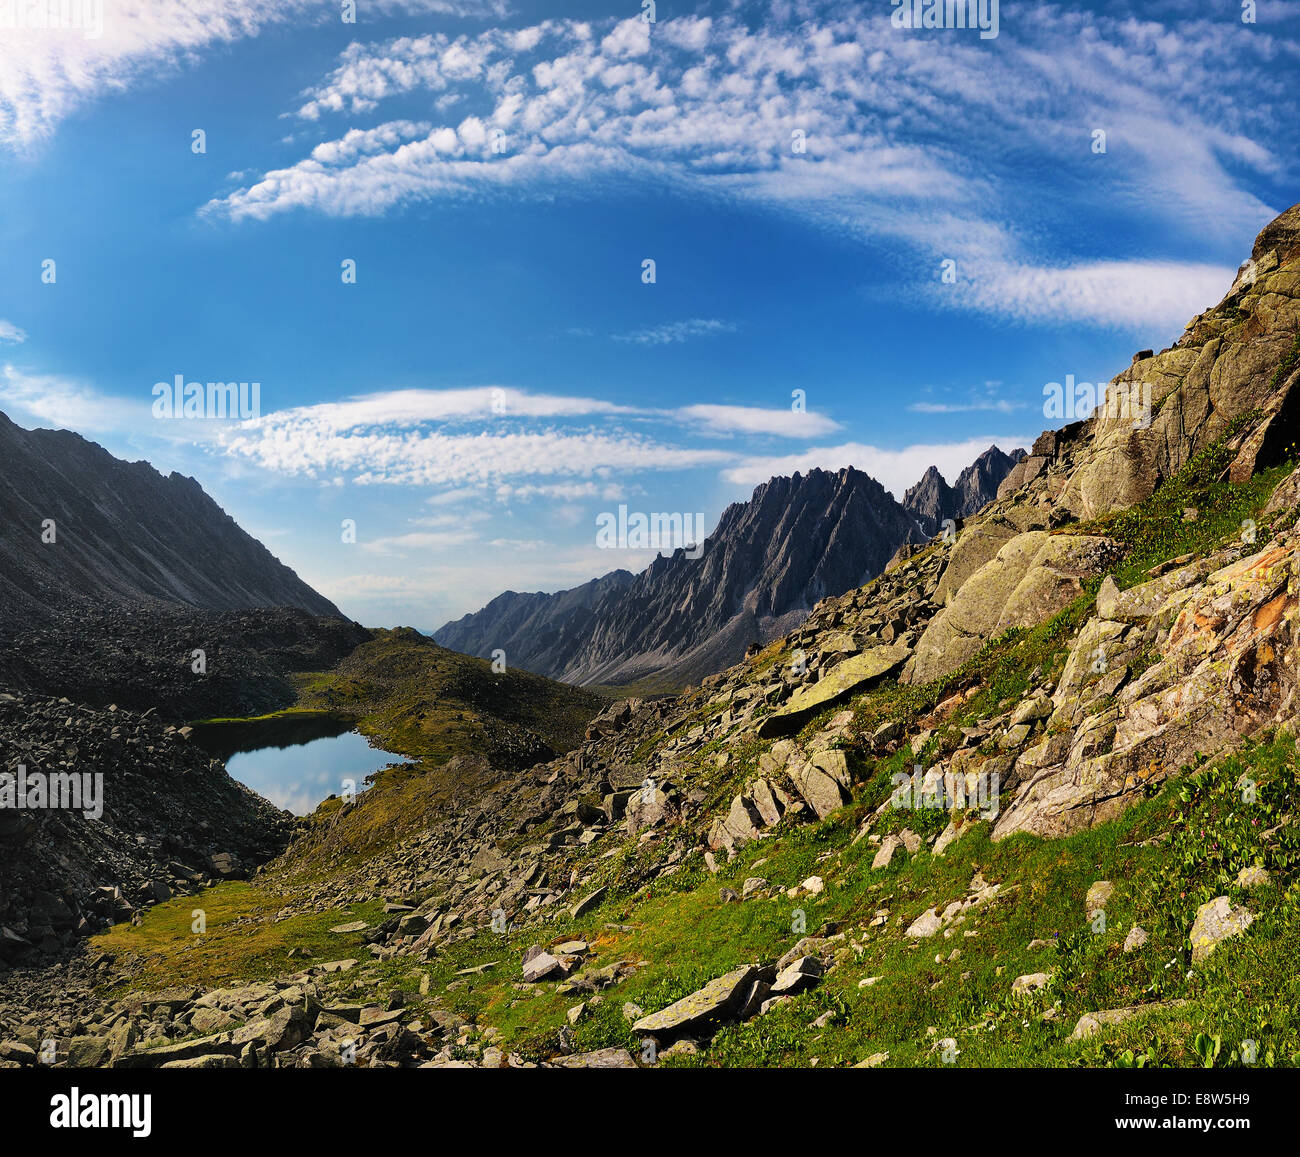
point(84, 530)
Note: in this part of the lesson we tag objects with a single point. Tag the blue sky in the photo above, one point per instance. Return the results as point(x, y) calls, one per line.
point(500, 374)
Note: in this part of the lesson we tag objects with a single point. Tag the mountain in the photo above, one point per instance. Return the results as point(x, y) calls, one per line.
point(83, 530)
point(538, 632)
point(932, 501)
point(766, 565)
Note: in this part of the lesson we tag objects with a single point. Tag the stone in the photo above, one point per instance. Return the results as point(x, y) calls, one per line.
point(797, 976)
point(873, 1061)
point(1136, 937)
point(1216, 921)
point(585, 905)
point(1030, 982)
point(835, 764)
point(853, 675)
point(769, 804)
point(543, 966)
point(822, 793)
point(1097, 896)
point(1090, 1023)
point(1032, 576)
point(885, 854)
point(925, 925)
point(743, 820)
point(611, 1058)
point(1252, 877)
point(706, 1007)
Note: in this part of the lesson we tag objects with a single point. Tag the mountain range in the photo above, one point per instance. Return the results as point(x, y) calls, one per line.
point(797, 540)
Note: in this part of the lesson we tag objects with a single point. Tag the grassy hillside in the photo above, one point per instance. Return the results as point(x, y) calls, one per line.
point(412, 696)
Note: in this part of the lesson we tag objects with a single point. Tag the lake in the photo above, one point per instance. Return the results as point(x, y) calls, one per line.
point(294, 765)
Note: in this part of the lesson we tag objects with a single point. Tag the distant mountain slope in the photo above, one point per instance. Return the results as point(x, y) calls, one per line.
point(797, 540)
point(932, 501)
point(538, 632)
point(123, 534)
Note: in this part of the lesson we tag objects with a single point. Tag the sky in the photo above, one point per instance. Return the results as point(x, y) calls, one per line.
point(501, 267)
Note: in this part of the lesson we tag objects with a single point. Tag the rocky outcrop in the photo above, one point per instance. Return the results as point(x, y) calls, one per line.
point(1224, 640)
point(1032, 576)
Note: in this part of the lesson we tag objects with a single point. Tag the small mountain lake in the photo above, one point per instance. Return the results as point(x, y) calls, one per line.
point(296, 762)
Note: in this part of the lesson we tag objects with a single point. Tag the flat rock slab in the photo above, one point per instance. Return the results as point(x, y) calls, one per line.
point(1091, 1023)
point(844, 679)
point(614, 1058)
point(585, 905)
point(708, 1006)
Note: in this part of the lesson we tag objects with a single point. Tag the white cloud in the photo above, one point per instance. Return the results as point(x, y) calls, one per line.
point(559, 491)
point(46, 72)
point(1164, 295)
point(983, 405)
point(401, 408)
point(674, 332)
point(11, 333)
point(755, 420)
point(712, 106)
point(63, 403)
point(422, 540)
point(298, 445)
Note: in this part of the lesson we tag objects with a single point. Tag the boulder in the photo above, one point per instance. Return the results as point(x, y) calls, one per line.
point(705, 1008)
point(1215, 922)
point(855, 674)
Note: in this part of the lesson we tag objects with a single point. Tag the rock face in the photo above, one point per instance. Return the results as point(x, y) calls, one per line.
point(540, 632)
point(122, 534)
point(1227, 641)
point(1031, 577)
point(797, 540)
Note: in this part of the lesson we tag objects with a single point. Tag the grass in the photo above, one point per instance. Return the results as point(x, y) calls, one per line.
point(680, 934)
point(245, 939)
